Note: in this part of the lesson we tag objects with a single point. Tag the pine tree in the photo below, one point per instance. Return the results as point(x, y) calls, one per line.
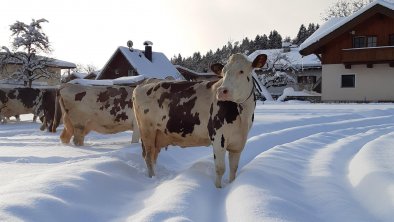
point(274, 40)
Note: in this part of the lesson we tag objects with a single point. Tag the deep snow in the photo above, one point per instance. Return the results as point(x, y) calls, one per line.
point(302, 162)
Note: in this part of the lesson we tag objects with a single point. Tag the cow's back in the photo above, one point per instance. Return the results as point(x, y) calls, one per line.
point(106, 109)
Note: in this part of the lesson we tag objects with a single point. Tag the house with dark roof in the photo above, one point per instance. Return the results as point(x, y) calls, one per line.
point(54, 66)
point(357, 54)
point(127, 61)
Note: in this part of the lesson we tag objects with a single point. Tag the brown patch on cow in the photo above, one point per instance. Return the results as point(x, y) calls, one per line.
point(79, 96)
point(164, 117)
point(122, 116)
point(181, 119)
point(28, 96)
point(165, 85)
point(164, 96)
point(159, 125)
point(156, 87)
point(149, 91)
point(227, 114)
point(3, 96)
point(12, 94)
point(146, 111)
point(118, 103)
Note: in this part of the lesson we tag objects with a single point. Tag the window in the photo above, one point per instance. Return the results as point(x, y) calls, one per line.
point(371, 41)
point(348, 81)
point(364, 41)
point(131, 72)
point(391, 39)
point(358, 41)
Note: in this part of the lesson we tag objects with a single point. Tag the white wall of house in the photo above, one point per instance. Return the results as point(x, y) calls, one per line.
point(371, 84)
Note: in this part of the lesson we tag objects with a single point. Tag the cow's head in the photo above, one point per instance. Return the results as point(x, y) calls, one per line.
point(237, 77)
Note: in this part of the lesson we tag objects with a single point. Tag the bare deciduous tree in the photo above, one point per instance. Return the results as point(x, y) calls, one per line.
point(28, 42)
point(344, 8)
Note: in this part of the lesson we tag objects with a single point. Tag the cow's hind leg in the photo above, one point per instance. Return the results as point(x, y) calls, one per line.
point(233, 158)
point(148, 145)
point(136, 133)
point(68, 130)
point(219, 154)
point(44, 124)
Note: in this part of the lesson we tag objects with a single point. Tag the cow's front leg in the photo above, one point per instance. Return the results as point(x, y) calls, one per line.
point(218, 155)
point(233, 158)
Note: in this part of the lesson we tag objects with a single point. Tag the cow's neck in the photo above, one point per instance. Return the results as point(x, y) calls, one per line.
point(249, 96)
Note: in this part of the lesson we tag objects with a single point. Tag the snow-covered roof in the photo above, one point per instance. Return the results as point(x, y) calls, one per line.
point(160, 67)
point(128, 80)
point(79, 75)
point(62, 64)
point(295, 59)
point(57, 63)
point(335, 23)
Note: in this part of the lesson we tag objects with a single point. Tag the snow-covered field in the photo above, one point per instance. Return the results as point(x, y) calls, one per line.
point(302, 162)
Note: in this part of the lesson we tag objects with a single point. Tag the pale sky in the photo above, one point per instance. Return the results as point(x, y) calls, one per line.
point(88, 32)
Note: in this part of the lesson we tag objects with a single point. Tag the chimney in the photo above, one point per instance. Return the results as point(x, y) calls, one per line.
point(148, 50)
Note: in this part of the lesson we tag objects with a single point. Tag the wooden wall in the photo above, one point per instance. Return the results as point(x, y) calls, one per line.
point(117, 67)
point(378, 25)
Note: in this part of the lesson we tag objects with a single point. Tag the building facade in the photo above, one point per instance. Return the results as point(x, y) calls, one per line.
point(357, 55)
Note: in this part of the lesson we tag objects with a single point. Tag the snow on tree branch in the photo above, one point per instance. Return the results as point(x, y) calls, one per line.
point(29, 41)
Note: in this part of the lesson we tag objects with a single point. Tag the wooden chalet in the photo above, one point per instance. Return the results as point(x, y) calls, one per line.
point(357, 54)
point(133, 62)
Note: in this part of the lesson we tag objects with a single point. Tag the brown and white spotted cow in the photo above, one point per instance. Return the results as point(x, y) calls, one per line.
point(200, 113)
point(104, 109)
point(16, 101)
point(38, 101)
point(50, 119)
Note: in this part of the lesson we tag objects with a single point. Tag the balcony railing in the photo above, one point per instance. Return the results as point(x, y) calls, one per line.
point(371, 55)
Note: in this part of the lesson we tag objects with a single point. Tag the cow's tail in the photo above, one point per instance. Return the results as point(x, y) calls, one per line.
point(58, 112)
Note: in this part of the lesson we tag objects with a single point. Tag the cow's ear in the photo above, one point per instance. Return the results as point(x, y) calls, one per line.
point(217, 68)
point(259, 61)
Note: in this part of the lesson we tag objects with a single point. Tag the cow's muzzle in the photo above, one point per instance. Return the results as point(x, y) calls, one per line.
point(223, 94)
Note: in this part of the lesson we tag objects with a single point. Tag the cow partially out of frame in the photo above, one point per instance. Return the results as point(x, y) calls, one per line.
point(15, 101)
point(200, 113)
point(104, 109)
